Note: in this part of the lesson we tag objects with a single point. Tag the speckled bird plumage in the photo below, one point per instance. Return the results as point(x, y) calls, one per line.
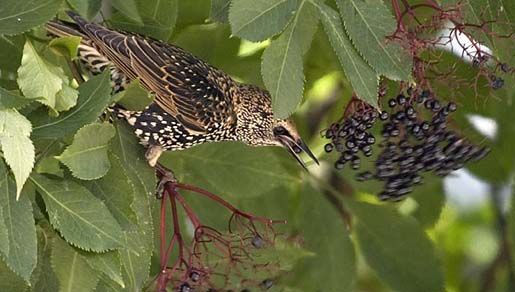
point(194, 102)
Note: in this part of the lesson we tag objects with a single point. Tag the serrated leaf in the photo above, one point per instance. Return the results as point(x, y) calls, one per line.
point(257, 20)
point(107, 263)
point(20, 16)
point(134, 97)
point(4, 236)
point(233, 169)
point(67, 46)
point(333, 267)
point(369, 23)
point(19, 221)
point(282, 67)
point(397, 248)
point(43, 278)
point(16, 145)
point(66, 98)
point(11, 100)
point(87, 157)
point(72, 270)
point(363, 78)
point(117, 191)
point(80, 217)
point(94, 97)
point(220, 10)
point(9, 281)
point(37, 78)
point(136, 266)
point(88, 8)
point(158, 18)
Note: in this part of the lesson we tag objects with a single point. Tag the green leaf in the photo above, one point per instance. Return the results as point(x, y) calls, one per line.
point(16, 145)
point(117, 191)
point(396, 247)
point(88, 8)
point(11, 100)
point(333, 268)
point(43, 278)
point(87, 157)
point(107, 263)
point(257, 20)
point(37, 78)
point(94, 97)
point(363, 78)
point(128, 8)
point(368, 24)
point(232, 169)
point(20, 16)
point(66, 98)
point(67, 46)
point(4, 236)
point(82, 219)
point(9, 281)
point(19, 221)
point(282, 61)
point(136, 265)
point(134, 97)
point(220, 10)
point(72, 270)
point(11, 50)
point(158, 18)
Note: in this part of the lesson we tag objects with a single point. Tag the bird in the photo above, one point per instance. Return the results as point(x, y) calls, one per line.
point(194, 102)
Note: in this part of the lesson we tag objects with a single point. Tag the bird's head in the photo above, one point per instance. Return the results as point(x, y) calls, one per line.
point(256, 125)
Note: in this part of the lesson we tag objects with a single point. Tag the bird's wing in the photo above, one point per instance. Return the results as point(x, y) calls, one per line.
point(195, 93)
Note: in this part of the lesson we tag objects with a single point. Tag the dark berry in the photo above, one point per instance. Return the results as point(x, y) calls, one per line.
point(497, 83)
point(328, 147)
point(329, 133)
point(452, 107)
point(339, 165)
point(194, 276)
point(185, 287)
point(505, 68)
point(384, 116)
point(401, 99)
point(267, 284)
point(257, 241)
point(392, 103)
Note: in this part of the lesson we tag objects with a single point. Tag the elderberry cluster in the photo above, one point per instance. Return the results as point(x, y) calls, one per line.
point(352, 138)
point(415, 140)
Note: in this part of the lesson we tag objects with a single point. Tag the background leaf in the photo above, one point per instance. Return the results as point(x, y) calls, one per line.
point(396, 248)
point(157, 20)
point(71, 269)
point(107, 263)
point(87, 155)
point(220, 10)
point(82, 219)
point(20, 16)
point(257, 20)
point(22, 252)
point(213, 166)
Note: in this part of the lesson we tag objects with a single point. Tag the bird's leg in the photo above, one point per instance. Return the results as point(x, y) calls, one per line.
point(165, 176)
point(153, 153)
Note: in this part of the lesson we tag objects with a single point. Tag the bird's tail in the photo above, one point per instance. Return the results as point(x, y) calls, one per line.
point(59, 28)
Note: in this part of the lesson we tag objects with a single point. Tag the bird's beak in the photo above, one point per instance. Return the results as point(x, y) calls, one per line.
point(296, 148)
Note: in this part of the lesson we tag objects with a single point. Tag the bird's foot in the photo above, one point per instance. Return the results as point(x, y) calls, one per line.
point(165, 176)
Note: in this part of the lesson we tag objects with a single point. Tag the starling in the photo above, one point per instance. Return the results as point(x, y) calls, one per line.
point(194, 102)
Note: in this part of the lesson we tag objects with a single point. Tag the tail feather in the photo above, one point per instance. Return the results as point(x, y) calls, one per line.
point(60, 29)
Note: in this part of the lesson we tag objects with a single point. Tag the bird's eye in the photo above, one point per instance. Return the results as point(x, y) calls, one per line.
point(280, 131)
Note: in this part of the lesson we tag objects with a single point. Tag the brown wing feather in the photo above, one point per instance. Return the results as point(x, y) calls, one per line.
point(195, 93)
